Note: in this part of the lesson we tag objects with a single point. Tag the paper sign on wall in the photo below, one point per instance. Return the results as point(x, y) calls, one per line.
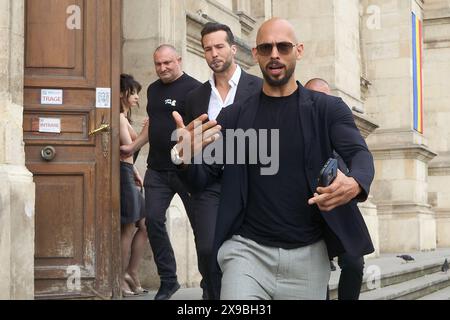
point(49, 125)
point(103, 98)
point(54, 97)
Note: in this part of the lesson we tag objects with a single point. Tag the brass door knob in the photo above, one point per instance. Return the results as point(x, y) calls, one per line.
point(48, 153)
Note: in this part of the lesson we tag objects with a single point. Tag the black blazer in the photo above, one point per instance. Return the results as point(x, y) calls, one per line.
point(327, 124)
point(197, 101)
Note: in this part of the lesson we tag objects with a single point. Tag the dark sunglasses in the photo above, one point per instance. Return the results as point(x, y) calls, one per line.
point(265, 49)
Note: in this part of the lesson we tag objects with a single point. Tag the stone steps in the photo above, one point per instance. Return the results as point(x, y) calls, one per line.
point(411, 289)
point(400, 280)
point(420, 279)
point(443, 294)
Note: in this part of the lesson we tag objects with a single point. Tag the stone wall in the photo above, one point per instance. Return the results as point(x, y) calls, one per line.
point(437, 111)
point(17, 187)
point(400, 189)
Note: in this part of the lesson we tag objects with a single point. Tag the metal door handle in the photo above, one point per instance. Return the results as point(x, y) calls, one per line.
point(103, 128)
point(48, 153)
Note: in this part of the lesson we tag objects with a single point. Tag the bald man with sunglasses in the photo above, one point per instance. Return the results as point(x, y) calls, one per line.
point(275, 233)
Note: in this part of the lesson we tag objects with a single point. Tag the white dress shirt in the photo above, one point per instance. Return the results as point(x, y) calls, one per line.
point(216, 104)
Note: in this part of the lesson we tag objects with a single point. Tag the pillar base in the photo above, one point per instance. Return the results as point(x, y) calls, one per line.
point(17, 196)
point(400, 190)
point(406, 227)
point(439, 195)
point(443, 227)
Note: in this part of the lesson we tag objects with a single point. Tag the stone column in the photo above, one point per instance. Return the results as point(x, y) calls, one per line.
point(437, 111)
point(329, 30)
point(242, 6)
point(368, 208)
point(17, 188)
point(406, 221)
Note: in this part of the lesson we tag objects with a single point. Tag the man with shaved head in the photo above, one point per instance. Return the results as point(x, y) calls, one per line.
point(319, 85)
point(166, 95)
point(275, 233)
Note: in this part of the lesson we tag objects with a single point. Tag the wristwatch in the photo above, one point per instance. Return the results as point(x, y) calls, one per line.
point(175, 156)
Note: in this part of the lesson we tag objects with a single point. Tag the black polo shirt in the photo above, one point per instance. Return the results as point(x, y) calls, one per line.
point(163, 99)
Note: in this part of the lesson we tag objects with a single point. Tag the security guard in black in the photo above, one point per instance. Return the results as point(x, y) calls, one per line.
point(163, 99)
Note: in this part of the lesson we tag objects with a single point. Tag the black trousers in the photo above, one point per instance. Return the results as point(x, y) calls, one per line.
point(205, 207)
point(351, 277)
point(160, 188)
point(350, 280)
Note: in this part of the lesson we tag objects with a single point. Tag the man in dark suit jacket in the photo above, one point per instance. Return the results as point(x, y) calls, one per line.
point(352, 267)
point(228, 84)
point(272, 230)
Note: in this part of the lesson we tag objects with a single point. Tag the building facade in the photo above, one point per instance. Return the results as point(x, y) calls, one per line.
point(388, 59)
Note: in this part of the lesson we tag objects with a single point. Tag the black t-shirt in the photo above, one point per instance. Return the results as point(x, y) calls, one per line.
point(278, 214)
point(163, 99)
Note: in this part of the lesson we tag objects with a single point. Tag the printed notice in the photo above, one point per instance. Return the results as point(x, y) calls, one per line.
point(49, 125)
point(103, 98)
point(54, 97)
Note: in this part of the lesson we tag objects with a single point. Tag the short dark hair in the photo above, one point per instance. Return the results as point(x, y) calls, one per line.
point(211, 27)
point(128, 86)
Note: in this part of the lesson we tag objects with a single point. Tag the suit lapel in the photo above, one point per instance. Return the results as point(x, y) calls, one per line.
point(243, 87)
point(308, 129)
point(248, 113)
point(241, 93)
point(204, 98)
point(246, 121)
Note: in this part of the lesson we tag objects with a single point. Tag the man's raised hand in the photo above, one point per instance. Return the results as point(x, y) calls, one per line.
point(191, 139)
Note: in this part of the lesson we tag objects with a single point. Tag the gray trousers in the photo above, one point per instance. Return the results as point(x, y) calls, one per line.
point(255, 272)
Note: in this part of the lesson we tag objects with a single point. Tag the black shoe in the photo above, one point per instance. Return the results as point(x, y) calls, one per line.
point(166, 290)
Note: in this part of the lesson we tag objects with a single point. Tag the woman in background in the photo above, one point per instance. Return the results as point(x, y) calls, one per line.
point(132, 207)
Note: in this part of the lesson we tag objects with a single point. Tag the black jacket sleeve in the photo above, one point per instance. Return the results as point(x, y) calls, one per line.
point(350, 145)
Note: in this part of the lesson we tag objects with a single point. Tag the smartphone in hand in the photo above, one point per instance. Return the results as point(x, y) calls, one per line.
point(328, 173)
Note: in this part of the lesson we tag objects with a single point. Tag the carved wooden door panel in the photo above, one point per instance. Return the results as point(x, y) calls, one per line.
point(72, 65)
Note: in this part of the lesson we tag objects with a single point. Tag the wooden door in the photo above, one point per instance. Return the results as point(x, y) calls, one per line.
point(73, 47)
